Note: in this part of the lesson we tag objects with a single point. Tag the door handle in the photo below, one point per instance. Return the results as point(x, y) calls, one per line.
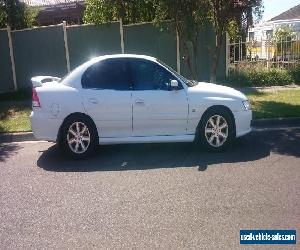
point(139, 101)
point(93, 100)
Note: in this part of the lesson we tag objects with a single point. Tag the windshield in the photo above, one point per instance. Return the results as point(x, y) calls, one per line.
point(189, 83)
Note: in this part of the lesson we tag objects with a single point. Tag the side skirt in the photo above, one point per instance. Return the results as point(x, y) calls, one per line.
point(146, 139)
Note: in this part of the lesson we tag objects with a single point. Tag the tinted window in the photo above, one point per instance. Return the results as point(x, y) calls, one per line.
point(148, 75)
point(108, 74)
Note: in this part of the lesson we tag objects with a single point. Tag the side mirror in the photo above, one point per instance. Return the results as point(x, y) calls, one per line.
point(174, 85)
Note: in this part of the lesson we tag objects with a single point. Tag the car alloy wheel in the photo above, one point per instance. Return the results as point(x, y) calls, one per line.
point(216, 131)
point(78, 137)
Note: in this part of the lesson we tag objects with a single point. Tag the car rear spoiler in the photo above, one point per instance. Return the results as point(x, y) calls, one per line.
point(38, 81)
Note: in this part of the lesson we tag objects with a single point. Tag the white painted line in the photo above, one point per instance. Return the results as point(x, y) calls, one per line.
point(273, 129)
point(25, 142)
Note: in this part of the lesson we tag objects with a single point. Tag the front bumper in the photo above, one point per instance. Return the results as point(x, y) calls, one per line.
point(243, 122)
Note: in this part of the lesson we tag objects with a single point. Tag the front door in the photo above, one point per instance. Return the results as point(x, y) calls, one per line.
point(157, 110)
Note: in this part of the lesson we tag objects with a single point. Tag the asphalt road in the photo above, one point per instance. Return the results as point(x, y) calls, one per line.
point(149, 196)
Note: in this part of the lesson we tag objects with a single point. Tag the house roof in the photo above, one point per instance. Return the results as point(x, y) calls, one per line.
point(293, 13)
point(48, 2)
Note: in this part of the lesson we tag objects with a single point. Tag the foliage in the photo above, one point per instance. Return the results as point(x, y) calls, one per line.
point(2, 19)
point(295, 74)
point(261, 77)
point(188, 16)
point(102, 11)
point(282, 40)
point(17, 14)
point(234, 31)
point(222, 14)
point(282, 33)
point(225, 15)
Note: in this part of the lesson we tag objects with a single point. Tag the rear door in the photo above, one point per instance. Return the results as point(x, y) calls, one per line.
point(106, 88)
point(157, 110)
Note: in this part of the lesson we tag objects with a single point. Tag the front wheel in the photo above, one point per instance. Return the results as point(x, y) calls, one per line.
point(216, 130)
point(79, 137)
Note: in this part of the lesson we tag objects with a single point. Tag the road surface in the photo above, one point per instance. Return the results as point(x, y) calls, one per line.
point(149, 195)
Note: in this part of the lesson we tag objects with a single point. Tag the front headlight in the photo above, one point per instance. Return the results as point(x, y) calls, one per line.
point(247, 105)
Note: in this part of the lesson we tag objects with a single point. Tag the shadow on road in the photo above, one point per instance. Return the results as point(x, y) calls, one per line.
point(174, 155)
point(7, 150)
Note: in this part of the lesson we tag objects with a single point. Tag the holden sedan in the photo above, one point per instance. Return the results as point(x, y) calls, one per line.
point(134, 99)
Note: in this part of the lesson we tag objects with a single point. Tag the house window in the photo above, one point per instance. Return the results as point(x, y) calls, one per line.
point(269, 34)
point(251, 36)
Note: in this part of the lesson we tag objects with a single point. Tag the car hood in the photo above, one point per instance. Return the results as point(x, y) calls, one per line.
point(217, 90)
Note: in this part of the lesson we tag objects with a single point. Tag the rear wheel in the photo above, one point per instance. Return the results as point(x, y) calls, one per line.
point(216, 129)
point(79, 137)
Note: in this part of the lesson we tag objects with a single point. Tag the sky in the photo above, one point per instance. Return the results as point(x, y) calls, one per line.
point(276, 7)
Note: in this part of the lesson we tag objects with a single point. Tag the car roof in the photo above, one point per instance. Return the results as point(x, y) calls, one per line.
point(100, 58)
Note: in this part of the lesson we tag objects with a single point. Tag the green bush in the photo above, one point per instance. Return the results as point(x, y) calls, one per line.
point(263, 77)
point(295, 73)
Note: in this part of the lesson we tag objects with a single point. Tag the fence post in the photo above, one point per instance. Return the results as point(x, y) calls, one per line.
point(122, 36)
point(227, 53)
point(12, 59)
point(66, 46)
point(261, 48)
point(267, 45)
point(177, 52)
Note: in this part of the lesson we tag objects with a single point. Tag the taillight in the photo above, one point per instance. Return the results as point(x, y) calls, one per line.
point(35, 99)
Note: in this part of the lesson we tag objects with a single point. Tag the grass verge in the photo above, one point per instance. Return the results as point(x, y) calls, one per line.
point(14, 116)
point(283, 103)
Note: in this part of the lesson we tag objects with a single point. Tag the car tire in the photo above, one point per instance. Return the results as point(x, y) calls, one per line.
point(79, 137)
point(216, 130)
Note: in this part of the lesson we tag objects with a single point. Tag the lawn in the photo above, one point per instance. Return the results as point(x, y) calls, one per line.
point(284, 103)
point(14, 115)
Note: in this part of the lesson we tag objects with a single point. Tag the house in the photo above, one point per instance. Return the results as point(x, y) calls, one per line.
point(261, 34)
point(55, 11)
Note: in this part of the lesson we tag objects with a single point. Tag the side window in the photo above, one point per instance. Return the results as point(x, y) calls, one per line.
point(148, 75)
point(108, 74)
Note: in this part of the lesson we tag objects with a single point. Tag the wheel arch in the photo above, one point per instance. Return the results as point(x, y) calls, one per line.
point(217, 107)
point(58, 138)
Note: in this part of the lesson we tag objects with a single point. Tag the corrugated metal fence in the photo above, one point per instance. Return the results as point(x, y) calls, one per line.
point(53, 50)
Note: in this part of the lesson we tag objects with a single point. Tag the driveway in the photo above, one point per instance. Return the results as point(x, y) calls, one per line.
point(150, 195)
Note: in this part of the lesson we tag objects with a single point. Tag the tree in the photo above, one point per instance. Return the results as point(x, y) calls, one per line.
point(2, 19)
point(283, 33)
point(16, 14)
point(222, 13)
point(130, 11)
point(189, 17)
point(283, 40)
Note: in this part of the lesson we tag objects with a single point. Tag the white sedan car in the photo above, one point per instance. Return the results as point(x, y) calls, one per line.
point(134, 99)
